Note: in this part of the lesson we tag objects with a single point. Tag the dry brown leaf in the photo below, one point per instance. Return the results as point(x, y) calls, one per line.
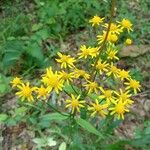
point(134, 50)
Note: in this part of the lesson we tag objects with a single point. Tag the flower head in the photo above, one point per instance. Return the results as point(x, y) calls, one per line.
point(16, 81)
point(119, 109)
point(74, 103)
point(106, 94)
point(91, 87)
point(128, 42)
point(97, 108)
point(52, 80)
point(101, 66)
point(25, 91)
point(133, 84)
point(126, 24)
point(123, 74)
point(123, 96)
point(112, 70)
point(114, 28)
point(111, 54)
point(85, 52)
point(65, 60)
point(42, 92)
point(68, 77)
point(94, 51)
point(81, 73)
point(96, 20)
point(111, 37)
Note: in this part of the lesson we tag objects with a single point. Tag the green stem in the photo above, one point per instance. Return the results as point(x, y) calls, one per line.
point(55, 109)
point(74, 89)
point(105, 40)
point(71, 84)
point(94, 70)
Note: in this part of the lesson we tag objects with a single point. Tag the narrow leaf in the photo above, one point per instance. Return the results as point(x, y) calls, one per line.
point(87, 126)
point(53, 116)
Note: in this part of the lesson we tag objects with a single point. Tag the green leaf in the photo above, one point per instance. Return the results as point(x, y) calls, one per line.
point(3, 117)
point(71, 89)
point(147, 130)
point(20, 110)
point(53, 116)
point(11, 122)
point(3, 88)
point(116, 146)
point(12, 52)
point(87, 126)
point(51, 142)
point(35, 51)
point(36, 27)
point(40, 142)
point(62, 146)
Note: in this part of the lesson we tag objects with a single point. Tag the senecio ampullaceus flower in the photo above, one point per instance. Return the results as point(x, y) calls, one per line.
point(98, 86)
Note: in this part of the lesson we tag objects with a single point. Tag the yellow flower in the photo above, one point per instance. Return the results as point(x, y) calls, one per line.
point(112, 54)
point(25, 92)
point(85, 52)
point(101, 38)
point(101, 66)
point(94, 51)
point(111, 38)
point(119, 109)
point(123, 96)
point(81, 73)
point(92, 87)
point(126, 24)
point(113, 70)
point(133, 84)
point(106, 94)
point(49, 72)
point(68, 77)
point(16, 81)
point(128, 42)
point(90, 51)
point(114, 28)
point(75, 104)
point(42, 92)
point(96, 20)
point(52, 81)
point(65, 60)
point(99, 109)
point(123, 74)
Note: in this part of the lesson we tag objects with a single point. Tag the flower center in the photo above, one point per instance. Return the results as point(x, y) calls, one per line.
point(108, 93)
point(113, 69)
point(126, 23)
point(64, 59)
point(27, 92)
point(93, 85)
point(134, 84)
point(74, 103)
point(113, 27)
point(112, 54)
point(123, 97)
point(54, 81)
point(100, 66)
point(97, 107)
point(42, 91)
point(120, 109)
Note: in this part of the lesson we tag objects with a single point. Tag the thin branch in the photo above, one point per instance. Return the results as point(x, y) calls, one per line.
point(55, 109)
point(94, 70)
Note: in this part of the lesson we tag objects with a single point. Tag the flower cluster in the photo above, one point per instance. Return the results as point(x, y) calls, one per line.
point(99, 86)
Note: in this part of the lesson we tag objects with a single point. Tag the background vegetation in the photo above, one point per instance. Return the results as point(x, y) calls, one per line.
point(32, 32)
